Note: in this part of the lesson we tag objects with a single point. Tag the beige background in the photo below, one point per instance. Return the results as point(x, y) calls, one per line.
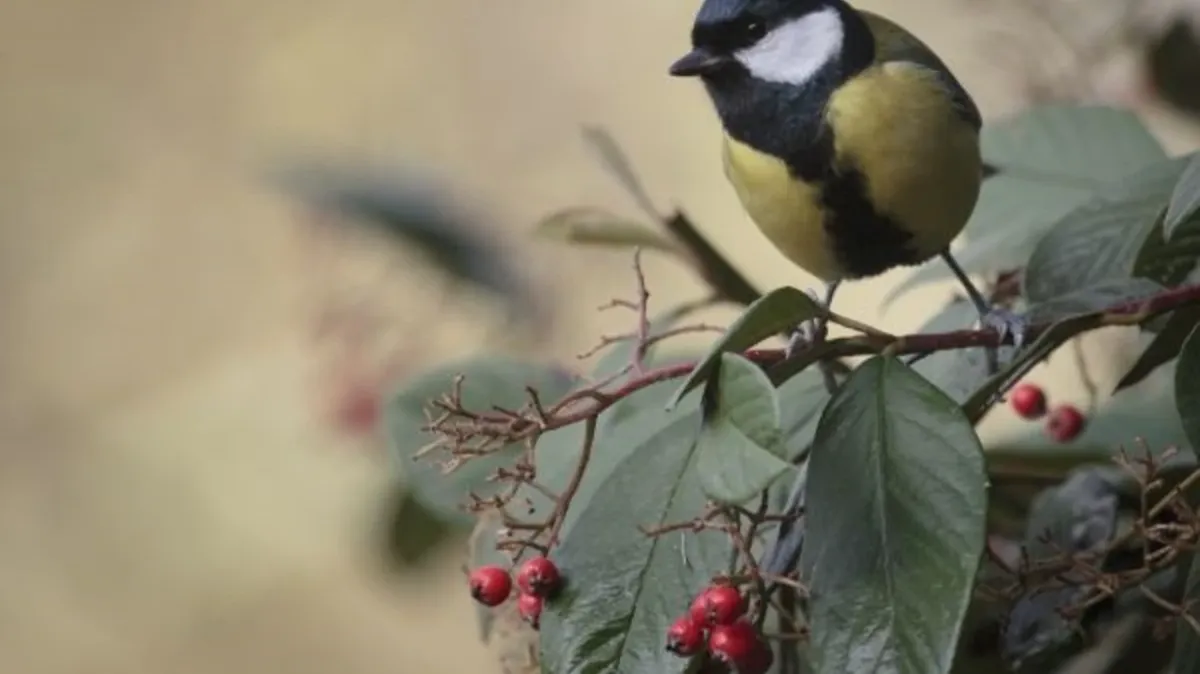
point(171, 499)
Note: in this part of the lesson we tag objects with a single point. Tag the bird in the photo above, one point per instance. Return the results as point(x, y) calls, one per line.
point(847, 140)
point(853, 148)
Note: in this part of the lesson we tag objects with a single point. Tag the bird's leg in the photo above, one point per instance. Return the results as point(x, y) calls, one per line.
point(812, 332)
point(1003, 321)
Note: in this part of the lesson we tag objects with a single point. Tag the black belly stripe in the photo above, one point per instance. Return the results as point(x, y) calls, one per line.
point(866, 242)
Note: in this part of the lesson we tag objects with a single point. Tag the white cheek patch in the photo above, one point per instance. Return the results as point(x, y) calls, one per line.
point(795, 51)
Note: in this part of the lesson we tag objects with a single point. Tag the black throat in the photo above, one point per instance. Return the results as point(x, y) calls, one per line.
point(788, 122)
point(785, 120)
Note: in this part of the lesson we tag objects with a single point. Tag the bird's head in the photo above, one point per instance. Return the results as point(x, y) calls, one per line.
point(778, 41)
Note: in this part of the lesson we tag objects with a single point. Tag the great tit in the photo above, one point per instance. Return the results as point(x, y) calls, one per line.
point(850, 144)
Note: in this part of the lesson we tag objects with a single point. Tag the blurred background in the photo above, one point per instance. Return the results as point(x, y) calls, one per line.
point(177, 493)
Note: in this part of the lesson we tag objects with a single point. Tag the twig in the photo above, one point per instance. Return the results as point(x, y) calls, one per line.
point(560, 508)
point(588, 403)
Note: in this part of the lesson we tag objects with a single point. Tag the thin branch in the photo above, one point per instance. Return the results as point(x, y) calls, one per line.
point(589, 403)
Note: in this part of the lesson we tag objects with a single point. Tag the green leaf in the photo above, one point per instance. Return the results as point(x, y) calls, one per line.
point(1052, 159)
point(413, 531)
point(625, 589)
point(1168, 263)
point(773, 313)
point(896, 507)
point(592, 226)
point(488, 382)
point(624, 438)
point(1100, 240)
point(801, 399)
point(1164, 347)
point(1187, 638)
point(1097, 297)
point(1184, 208)
point(740, 448)
point(1070, 143)
point(1187, 387)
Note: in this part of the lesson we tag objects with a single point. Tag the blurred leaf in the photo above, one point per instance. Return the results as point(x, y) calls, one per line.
point(723, 278)
point(584, 225)
point(1052, 159)
point(414, 209)
point(1099, 241)
point(959, 372)
point(773, 313)
point(740, 449)
point(613, 159)
point(1078, 516)
point(1070, 143)
point(488, 381)
point(414, 531)
point(1168, 263)
point(625, 589)
point(1173, 65)
point(896, 499)
point(1036, 637)
point(1097, 297)
point(1187, 635)
point(1164, 347)
point(1187, 387)
point(1184, 209)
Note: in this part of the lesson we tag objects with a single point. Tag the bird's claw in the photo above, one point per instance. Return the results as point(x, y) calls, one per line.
point(1006, 324)
point(808, 333)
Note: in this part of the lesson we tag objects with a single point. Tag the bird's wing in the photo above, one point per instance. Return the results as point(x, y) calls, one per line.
point(893, 43)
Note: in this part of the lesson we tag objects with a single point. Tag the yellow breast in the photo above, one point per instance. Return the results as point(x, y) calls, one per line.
point(920, 161)
point(786, 210)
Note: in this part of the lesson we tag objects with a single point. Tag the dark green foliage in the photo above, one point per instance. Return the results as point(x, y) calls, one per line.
point(899, 494)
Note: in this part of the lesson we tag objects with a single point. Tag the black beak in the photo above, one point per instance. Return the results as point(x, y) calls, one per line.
point(697, 62)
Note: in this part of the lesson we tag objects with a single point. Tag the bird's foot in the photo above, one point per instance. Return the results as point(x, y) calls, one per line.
point(1006, 324)
point(808, 333)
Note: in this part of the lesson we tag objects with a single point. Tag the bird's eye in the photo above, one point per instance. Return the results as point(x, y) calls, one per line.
point(754, 30)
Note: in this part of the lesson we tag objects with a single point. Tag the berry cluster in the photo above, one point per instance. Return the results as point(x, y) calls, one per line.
point(716, 622)
point(538, 579)
point(1065, 422)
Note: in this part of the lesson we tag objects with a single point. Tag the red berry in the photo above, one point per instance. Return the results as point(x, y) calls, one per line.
point(538, 576)
point(1065, 423)
point(530, 608)
point(1028, 401)
point(733, 644)
point(718, 605)
point(490, 585)
point(685, 637)
point(760, 659)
